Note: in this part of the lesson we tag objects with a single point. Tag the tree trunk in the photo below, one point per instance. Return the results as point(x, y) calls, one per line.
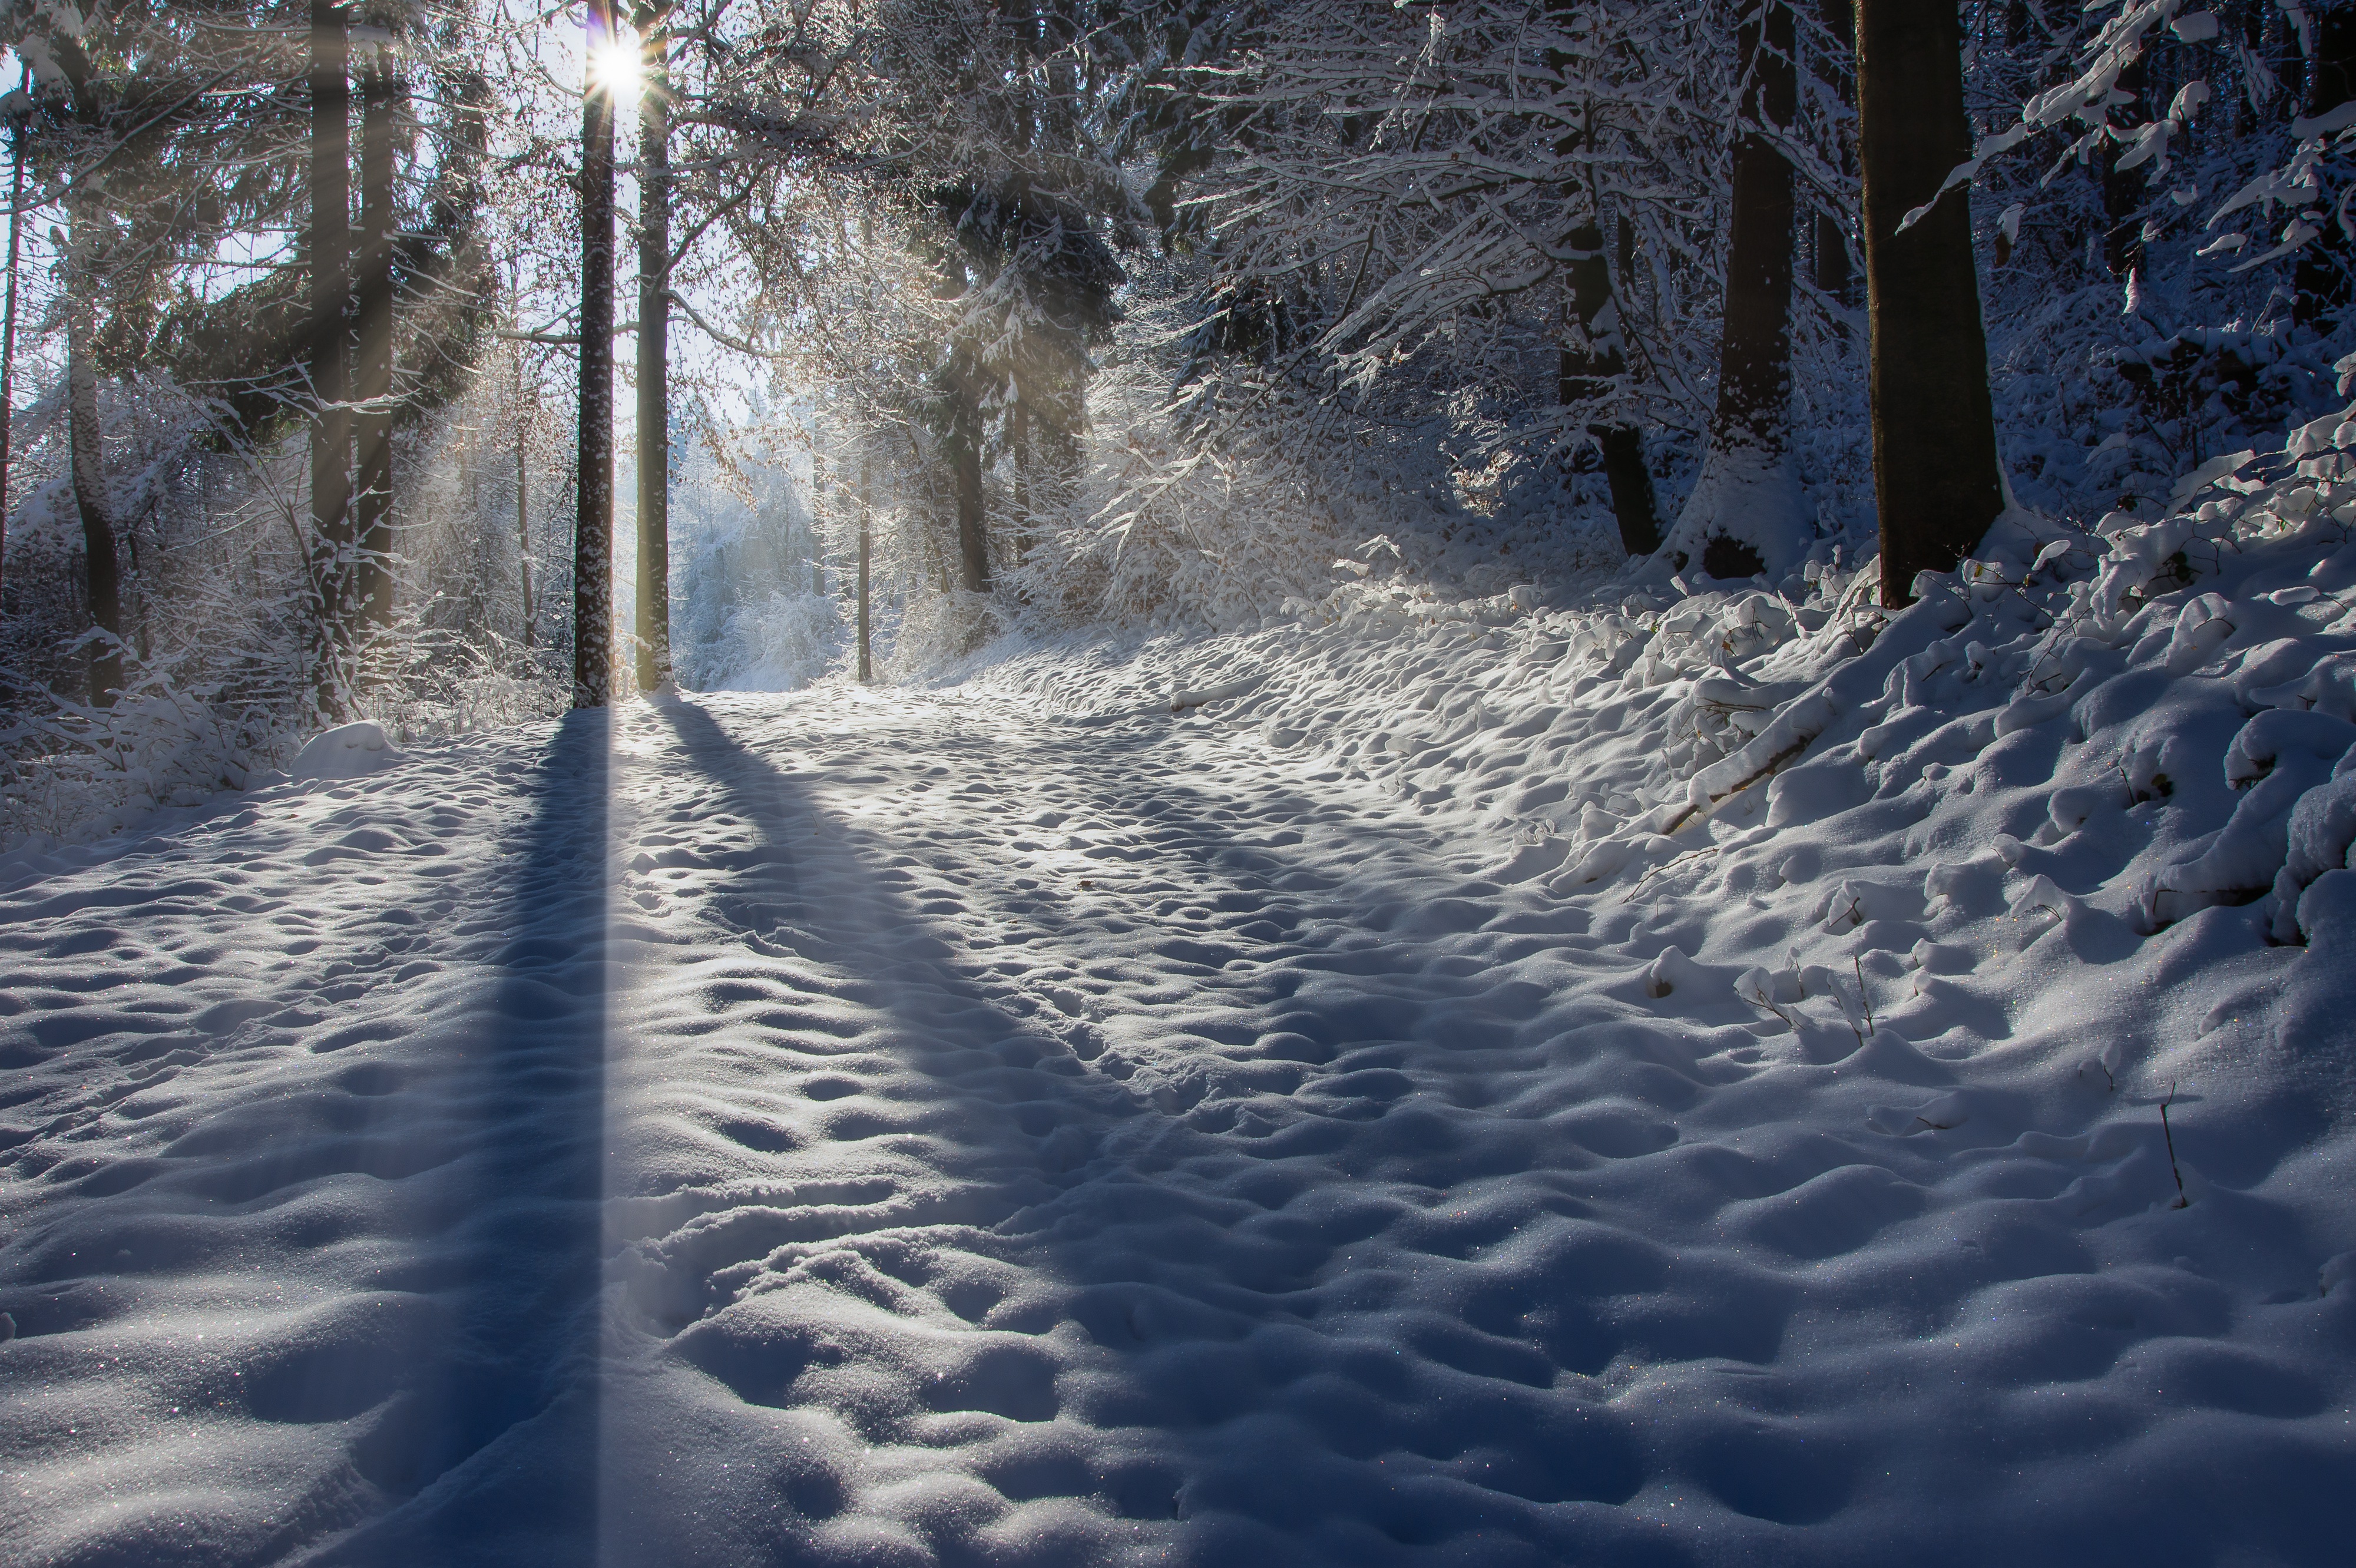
point(654, 357)
point(1934, 460)
point(1745, 515)
point(373, 389)
point(2320, 281)
point(104, 573)
point(1754, 375)
point(592, 538)
point(8, 345)
point(965, 463)
point(523, 505)
point(1833, 277)
point(331, 430)
point(1021, 449)
point(1586, 372)
point(2122, 189)
point(1755, 350)
point(866, 666)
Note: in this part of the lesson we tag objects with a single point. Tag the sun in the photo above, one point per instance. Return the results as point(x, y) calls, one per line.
point(615, 66)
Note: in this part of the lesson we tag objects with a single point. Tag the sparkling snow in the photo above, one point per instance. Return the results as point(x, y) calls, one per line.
point(1392, 1103)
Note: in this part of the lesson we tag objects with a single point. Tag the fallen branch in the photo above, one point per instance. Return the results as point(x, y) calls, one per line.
point(1700, 808)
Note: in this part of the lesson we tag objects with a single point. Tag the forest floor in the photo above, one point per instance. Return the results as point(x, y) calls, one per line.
point(879, 1128)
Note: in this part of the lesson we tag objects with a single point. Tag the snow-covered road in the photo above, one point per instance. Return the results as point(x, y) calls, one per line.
point(878, 1129)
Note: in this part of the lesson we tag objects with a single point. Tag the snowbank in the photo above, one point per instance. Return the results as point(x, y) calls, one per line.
point(347, 751)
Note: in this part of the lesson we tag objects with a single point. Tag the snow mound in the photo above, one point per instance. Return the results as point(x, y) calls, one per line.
point(347, 751)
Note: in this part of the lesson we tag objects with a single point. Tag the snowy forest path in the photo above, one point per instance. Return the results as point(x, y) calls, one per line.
point(1179, 1035)
point(932, 1128)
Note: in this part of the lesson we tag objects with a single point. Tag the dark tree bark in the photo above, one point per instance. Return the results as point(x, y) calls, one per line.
point(1745, 513)
point(1835, 278)
point(1586, 372)
point(592, 538)
point(965, 438)
point(8, 342)
point(372, 388)
point(2320, 281)
point(331, 428)
point(1755, 353)
point(654, 355)
point(86, 455)
point(523, 507)
point(2122, 189)
point(866, 666)
point(1935, 457)
point(104, 573)
point(1024, 451)
point(1754, 364)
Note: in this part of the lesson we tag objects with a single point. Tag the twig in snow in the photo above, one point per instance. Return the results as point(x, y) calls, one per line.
point(2182, 1201)
point(1857, 969)
point(1668, 866)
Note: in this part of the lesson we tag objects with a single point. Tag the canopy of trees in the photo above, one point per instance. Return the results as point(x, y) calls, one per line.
point(1135, 310)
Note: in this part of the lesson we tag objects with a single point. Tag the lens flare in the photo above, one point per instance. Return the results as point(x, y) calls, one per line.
point(615, 66)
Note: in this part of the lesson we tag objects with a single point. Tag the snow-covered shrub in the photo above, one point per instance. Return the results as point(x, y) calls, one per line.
point(430, 685)
point(74, 772)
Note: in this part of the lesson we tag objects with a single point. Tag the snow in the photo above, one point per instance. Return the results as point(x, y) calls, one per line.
point(346, 751)
point(1749, 497)
point(1666, 1080)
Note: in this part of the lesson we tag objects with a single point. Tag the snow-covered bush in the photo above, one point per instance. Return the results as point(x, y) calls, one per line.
point(74, 772)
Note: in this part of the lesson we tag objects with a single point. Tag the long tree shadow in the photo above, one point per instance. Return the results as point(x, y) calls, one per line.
point(1075, 1185)
point(493, 1437)
point(1254, 1344)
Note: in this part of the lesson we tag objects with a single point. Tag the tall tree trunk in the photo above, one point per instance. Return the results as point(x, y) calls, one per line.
point(866, 665)
point(593, 537)
point(965, 438)
point(1833, 277)
point(2122, 189)
point(1586, 372)
point(523, 505)
point(1584, 369)
point(1745, 514)
point(2320, 281)
point(1934, 458)
point(9, 343)
point(653, 356)
point(331, 429)
point(102, 567)
point(372, 428)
